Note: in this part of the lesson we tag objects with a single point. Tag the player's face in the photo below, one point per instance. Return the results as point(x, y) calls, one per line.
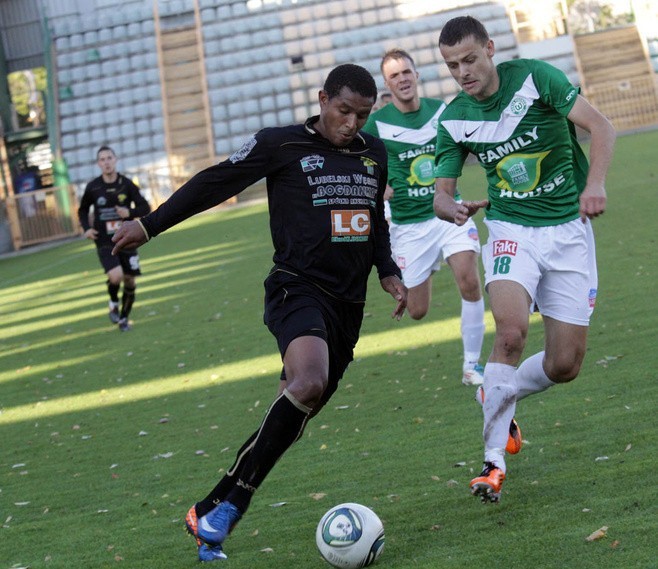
point(107, 161)
point(472, 66)
point(343, 116)
point(401, 78)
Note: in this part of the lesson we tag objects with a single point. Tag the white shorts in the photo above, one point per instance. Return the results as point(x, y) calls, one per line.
point(419, 248)
point(555, 264)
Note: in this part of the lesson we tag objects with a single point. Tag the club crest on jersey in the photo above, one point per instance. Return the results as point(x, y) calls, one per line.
point(504, 247)
point(350, 225)
point(101, 201)
point(313, 162)
point(518, 106)
point(369, 164)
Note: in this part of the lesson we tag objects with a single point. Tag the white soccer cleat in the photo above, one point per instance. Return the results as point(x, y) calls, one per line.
point(473, 376)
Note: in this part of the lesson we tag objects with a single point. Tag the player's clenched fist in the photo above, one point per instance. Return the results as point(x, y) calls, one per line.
point(130, 235)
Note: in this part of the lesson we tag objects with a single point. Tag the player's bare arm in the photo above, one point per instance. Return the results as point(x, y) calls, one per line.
point(130, 235)
point(593, 200)
point(122, 212)
point(445, 206)
point(393, 285)
point(91, 233)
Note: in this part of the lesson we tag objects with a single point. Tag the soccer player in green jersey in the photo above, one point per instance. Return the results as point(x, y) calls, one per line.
point(419, 240)
point(518, 119)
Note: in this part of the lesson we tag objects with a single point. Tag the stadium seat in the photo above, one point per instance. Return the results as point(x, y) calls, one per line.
point(83, 139)
point(154, 93)
point(62, 44)
point(220, 129)
point(144, 144)
point(158, 141)
point(133, 29)
point(223, 147)
point(285, 117)
point(236, 126)
point(68, 141)
point(252, 123)
point(208, 15)
point(80, 88)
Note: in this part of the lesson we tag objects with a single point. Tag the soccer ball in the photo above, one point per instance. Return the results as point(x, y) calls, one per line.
point(350, 536)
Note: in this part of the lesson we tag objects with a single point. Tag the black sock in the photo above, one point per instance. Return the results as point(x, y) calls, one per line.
point(282, 426)
point(127, 300)
point(226, 484)
point(113, 291)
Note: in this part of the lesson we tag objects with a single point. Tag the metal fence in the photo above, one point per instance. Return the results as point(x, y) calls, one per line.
point(42, 215)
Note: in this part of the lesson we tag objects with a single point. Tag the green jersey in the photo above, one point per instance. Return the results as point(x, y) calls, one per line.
point(534, 165)
point(410, 140)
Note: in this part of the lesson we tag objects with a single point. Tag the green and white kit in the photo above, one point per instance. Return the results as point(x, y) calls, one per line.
point(410, 140)
point(534, 165)
point(420, 241)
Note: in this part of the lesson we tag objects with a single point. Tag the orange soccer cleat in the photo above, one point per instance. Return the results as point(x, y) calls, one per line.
point(488, 485)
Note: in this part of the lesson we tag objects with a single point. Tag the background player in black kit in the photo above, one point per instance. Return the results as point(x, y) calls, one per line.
point(325, 186)
point(114, 199)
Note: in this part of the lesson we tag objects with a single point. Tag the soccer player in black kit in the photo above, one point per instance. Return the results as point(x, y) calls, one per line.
point(325, 186)
point(114, 199)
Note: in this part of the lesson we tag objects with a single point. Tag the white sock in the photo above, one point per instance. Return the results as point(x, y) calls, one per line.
point(498, 410)
point(531, 377)
point(472, 328)
point(113, 305)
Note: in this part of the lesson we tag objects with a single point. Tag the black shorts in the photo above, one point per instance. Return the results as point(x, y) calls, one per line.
point(294, 307)
point(128, 259)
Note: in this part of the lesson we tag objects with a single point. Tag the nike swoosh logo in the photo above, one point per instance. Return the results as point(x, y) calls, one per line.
point(398, 134)
point(469, 134)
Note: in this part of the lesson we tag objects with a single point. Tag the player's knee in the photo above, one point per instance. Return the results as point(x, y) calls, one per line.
point(417, 312)
point(562, 369)
point(470, 290)
point(308, 388)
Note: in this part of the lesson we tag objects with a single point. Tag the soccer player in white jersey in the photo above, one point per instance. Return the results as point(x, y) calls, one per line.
point(518, 119)
point(420, 241)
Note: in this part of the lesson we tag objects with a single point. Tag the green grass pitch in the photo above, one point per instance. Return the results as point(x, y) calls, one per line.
point(108, 438)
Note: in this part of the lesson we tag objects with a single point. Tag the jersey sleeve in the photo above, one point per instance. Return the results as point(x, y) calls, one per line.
point(554, 87)
point(142, 207)
point(449, 156)
point(216, 184)
point(383, 260)
point(83, 210)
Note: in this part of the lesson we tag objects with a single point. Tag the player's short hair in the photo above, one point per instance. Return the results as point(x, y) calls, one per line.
point(461, 27)
point(103, 149)
point(396, 53)
point(354, 77)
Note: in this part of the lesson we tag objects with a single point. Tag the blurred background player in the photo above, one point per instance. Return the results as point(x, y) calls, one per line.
point(419, 240)
point(114, 199)
point(324, 251)
point(518, 119)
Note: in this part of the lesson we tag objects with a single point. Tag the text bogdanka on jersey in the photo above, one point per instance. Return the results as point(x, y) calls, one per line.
point(366, 186)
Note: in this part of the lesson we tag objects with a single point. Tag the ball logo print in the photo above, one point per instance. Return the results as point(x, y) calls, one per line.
point(342, 528)
point(350, 536)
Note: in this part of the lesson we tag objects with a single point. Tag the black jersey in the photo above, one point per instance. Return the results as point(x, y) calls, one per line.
point(326, 204)
point(105, 197)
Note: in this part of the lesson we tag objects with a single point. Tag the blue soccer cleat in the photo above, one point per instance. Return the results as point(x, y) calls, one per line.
point(206, 552)
point(214, 527)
